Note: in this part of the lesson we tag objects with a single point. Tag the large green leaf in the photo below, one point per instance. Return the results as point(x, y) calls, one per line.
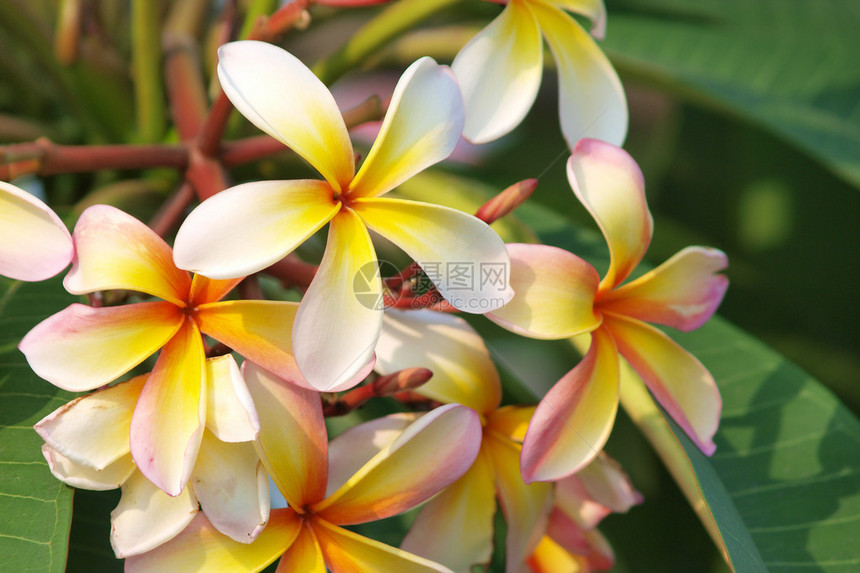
point(789, 65)
point(36, 507)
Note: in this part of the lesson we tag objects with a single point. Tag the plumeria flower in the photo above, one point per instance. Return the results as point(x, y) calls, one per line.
point(34, 244)
point(251, 226)
point(463, 373)
point(82, 348)
point(87, 446)
point(500, 72)
point(327, 487)
point(559, 295)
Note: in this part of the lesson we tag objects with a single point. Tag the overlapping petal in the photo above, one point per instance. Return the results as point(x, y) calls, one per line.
point(554, 293)
point(594, 10)
point(85, 476)
point(281, 96)
point(304, 554)
point(684, 292)
point(461, 254)
point(595, 491)
point(230, 412)
point(573, 421)
point(447, 345)
point(338, 322)
point(510, 422)
point(248, 227)
point(677, 379)
point(293, 440)
point(469, 502)
point(550, 557)
point(204, 289)
point(116, 251)
point(499, 71)
point(169, 419)
point(592, 101)
point(81, 347)
point(200, 547)
point(610, 185)
point(452, 433)
point(34, 243)
point(423, 124)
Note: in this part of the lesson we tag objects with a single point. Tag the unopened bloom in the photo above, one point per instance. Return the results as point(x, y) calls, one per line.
point(251, 226)
point(348, 482)
point(34, 243)
point(560, 295)
point(87, 446)
point(82, 348)
point(500, 72)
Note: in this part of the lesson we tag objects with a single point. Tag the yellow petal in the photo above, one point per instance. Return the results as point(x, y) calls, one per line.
point(550, 557)
point(204, 289)
point(594, 10)
point(510, 422)
point(304, 555)
point(422, 126)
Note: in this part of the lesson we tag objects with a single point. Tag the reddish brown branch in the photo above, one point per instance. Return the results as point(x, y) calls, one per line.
point(173, 210)
point(391, 384)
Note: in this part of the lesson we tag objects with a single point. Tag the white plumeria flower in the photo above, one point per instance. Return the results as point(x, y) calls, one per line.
point(251, 226)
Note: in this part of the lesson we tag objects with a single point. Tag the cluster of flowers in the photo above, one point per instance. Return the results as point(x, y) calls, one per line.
point(194, 442)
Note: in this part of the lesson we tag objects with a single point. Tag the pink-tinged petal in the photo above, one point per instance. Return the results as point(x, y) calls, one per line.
point(170, 416)
point(573, 499)
point(248, 227)
point(93, 429)
point(204, 289)
point(81, 348)
point(348, 552)
point(34, 243)
point(86, 477)
point(281, 96)
point(422, 126)
point(603, 483)
point(610, 185)
point(293, 440)
point(200, 547)
point(587, 543)
point(461, 254)
point(339, 319)
point(677, 379)
point(684, 292)
point(403, 475)
point(447, 345)
point(348, 452)
point(259, 330)
point(591, 98)
point(232, 487)
point(594, 10)
point(554, 293)
point(469, 502)
point(526, 507)
point(116, 251)
point(573, 421)
point(146, 517)
point(230, 412)
point(304, 554)
point(550, 557)
point(510, 422)
point(499, 72)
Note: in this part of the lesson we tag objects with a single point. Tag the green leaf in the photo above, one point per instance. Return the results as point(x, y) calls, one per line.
point(788, 65)
point(36, 507)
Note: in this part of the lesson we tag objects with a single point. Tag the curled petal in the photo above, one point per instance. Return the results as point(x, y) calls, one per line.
point(170, 416)
point(339, 319)
point(281, 96)
point(200, 547)
point(116, 251)
point(346, 552)
point(146, 517)
point(678, 381)
point(293, 440)
point(610, 185)
point(230, 412)
point(573, 421)
point(592, 101)
point(595, 491)
point(81, 348)
point(461, 254)
point(232, 487)
point(246, 228)
point(93, 430)
point(84, 476)
point(448, 346)
point(34, 243)
point(422, 126)
point(684, 292)
point(554, 293)
point(452, 433)
point(470, 502)
point(499, 72)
